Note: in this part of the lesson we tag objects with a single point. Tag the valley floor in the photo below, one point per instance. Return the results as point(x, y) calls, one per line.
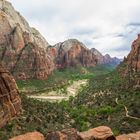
point(59, 95)
point(105, 99)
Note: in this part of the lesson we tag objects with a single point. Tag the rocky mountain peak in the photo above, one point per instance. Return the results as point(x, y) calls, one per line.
point(72, 53)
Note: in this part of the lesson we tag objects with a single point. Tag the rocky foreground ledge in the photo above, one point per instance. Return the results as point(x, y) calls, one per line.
point(98, 133)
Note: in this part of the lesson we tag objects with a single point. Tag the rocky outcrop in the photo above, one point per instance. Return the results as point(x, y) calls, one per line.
point(130, 67)
point(23, 49)
point(107, 59)
point(132, 136)
point(30, 136)
point(68, 134)
point(98, 133)
point(72, 53)
point(10, 103)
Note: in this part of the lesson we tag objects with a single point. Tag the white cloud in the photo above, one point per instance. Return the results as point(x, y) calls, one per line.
point(103, 24)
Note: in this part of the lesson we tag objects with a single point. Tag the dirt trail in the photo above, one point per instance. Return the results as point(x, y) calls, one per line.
point(126, 111)
point(56, 96)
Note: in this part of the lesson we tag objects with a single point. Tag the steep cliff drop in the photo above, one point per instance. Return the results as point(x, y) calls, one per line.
point(23, 50)
point(72, 53)
point(130, 67)
point(10, 103)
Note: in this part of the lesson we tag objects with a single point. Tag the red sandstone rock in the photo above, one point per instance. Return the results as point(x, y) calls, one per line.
point(9, 97)
point(23, 49)
point(98, 133)
point(72, 53)
point(30, 136)
point(67, 134)
point(130, 67)
point(132, 136)
point(133, 59)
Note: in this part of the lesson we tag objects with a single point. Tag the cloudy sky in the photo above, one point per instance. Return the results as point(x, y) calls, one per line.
point(107, 25)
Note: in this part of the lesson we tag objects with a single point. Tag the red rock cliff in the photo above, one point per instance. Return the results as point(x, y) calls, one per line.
point(10, 103)
point(130, 67)
point(22, 48)
point(72, 53)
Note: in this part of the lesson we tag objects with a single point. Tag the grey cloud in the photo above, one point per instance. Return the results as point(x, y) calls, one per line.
point(95, 22)
point(134, 24)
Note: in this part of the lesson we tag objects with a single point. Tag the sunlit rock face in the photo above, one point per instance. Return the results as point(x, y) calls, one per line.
point(23, 50)
point(130, 67)
point(131, 136)
point(10, 103)
point(72, 53)
point(30, 136)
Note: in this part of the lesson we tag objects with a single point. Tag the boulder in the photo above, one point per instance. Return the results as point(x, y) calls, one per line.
point(98, 133)
point(67, 134)
point(30, 136)
point(132, 136)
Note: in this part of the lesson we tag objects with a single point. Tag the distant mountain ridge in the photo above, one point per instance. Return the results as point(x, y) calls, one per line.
point(105, 59)
point(27, 54)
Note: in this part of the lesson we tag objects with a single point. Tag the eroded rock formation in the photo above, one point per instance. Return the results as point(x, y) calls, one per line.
point(72, 53)
point(98, 133)
point(23, 49)
point(130, 67)
point(10, 103)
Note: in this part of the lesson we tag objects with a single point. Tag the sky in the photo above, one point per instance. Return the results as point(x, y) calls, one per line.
point(110, 26)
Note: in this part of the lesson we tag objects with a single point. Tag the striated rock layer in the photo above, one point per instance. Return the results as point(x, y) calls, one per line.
point(72, 53)
point(23, 49)
point(10, 103)
point(130, 67)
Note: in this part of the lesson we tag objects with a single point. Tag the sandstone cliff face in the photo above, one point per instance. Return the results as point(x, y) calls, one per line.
point(23, 50)
point(10, 103)
point(107, 59)
point(130, 67)
point(72, 53)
